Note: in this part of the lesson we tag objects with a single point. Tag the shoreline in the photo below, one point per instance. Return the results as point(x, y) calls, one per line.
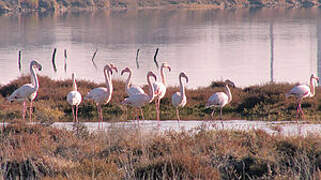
point(58, 7)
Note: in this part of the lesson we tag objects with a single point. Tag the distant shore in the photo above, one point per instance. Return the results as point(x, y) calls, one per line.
point(45, 6)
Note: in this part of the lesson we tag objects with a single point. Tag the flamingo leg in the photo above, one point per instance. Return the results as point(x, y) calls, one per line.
point(73, 113)
point(302, 113)
point(77, 113)
point(137, 117)
point(221, 113)
point(141, 112)
point(297, 112)
point(99, 114)
point(212, 115)
point(24, 110)
point(30, 111)
point(177, 114)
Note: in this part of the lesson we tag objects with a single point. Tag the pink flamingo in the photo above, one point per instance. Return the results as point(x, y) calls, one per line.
point(139, 100)
point(102, 95)
point(302, 91)
point(74, 98)
point(27, 92)
point(220, 99)
point(179, 98)
point(160, 89)
point(130, 88)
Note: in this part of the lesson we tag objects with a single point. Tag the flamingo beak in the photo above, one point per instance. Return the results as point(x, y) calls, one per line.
point(169, 68)
point(186, 78)
point(122, 72)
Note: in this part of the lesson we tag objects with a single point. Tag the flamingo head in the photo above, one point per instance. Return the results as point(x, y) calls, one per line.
point(35, 64)
point(183, 75)
point(113, 67)
point(150, 73)
point(166, 65)
point(229, 82)
point(108, 69)
point(125, 70)
point(314, 77)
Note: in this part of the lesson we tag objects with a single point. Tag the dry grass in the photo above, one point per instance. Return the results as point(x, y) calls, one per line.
point(263, 102)
point(49, 153)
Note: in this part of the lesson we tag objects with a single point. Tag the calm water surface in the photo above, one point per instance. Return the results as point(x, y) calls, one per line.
point(248, 47)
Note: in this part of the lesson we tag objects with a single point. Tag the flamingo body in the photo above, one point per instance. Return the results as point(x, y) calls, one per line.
point(130, 88)
point(102, 95)
point(160, 89)
point(302, 91)
point(139, 100)
point(27, 92)
point(179, 98)
point(74, 98)
point(219, 99)
point(99, 95)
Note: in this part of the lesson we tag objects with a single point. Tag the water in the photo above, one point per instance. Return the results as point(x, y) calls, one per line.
point(249, 47)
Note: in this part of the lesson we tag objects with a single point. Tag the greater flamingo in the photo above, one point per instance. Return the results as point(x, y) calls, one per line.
point(220, 99)
point(27, 92)
point(74, 98)
point(179, 98)
point(302, 91)
point(160, 88)
point(139, 100)
point(102, 95)
point(131, 89)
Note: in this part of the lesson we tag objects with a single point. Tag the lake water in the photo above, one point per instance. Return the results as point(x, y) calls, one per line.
point(247, 46)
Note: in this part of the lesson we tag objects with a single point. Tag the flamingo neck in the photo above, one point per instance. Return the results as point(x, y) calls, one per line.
point(163, 76)
point(151, 94)
point(74, 85)
point(128, 80)
point(34, 78)
point(312, 88)
point(228, 92)
point(108, 80)
point(181, 85)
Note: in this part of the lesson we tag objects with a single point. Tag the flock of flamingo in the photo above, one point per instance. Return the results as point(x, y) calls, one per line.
point(137, 97)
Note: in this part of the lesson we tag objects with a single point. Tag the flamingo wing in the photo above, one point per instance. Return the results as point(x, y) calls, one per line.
point(218, 99)
point(299, 91)
point(99, 95)
point(159, 89)
point(74, 98)
point(137, 100)
point(134, 90)
point(25, 92)
point(178, 100)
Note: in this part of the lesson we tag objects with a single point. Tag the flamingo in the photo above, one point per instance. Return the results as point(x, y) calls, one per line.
point(131, 89)
point(74, 98)
point(102, 95)
point(160, 88)
point(220, 99)
point(139, 100)
point(27, 92)
point(179, 98)
point(302, 91)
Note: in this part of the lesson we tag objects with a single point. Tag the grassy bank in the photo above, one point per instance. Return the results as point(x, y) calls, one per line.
point(261, 102)
point(48, 153)
point(27, 6)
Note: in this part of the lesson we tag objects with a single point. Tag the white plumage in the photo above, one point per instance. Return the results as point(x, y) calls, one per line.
point(139, 100)
point(74, 98)
point(103, 95)
point(179, 98)
point(27, 92)
point(220, 99)
point(160, 88)
point(302, 91)
point(130, 88)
